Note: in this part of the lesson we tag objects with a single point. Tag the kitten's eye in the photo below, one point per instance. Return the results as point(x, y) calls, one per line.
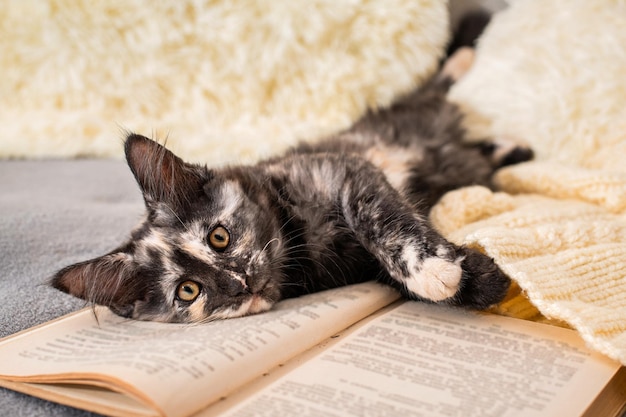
point(219, 238)
point(188, 291)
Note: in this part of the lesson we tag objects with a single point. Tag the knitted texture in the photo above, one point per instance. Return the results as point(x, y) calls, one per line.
point(554, 77)
point(225, 81)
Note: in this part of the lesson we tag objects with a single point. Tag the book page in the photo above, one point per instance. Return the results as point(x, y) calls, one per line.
point(426, 360)
point(179, 369)
point(99, 400)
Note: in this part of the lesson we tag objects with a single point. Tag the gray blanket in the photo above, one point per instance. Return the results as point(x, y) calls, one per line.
point(53, 213)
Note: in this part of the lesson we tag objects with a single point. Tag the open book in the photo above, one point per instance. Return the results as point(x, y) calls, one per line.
point(354, 350)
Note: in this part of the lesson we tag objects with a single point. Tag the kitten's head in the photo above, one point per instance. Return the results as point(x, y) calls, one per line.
point(208, 248)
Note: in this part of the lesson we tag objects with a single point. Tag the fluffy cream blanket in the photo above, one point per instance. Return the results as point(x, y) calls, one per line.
point(553, 75)
point(225, 80)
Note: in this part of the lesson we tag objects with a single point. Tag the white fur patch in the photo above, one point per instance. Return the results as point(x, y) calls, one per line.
point(436, 279)
point(442, 251)
point(237, 277)
point(259, 305)
point(192, 241)
point(230, 196)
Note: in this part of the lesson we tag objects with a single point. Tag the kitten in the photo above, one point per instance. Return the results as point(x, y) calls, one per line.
point(232, 241)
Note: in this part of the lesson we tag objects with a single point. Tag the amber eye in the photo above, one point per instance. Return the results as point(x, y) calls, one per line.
point(219, 238)
point(188, 291)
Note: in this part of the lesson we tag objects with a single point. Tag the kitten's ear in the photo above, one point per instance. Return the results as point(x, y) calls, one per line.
point(162, 176)
point(107, 280)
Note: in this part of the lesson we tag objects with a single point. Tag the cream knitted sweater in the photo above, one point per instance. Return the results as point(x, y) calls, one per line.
point(558, 227)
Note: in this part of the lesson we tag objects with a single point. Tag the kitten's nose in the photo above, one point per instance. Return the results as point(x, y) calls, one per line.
point(236, 287)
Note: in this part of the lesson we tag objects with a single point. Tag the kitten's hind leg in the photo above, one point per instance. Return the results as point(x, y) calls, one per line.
point(503, 152)
point(418, 259)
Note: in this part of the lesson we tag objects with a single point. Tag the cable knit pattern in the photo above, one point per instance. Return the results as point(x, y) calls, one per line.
point(553, 76)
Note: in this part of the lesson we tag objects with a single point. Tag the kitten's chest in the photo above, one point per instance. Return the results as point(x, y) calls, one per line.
point(395, 162)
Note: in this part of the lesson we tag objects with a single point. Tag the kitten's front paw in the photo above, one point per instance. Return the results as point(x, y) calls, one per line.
point(483, 283)
point(436, 280)
point(472, 280)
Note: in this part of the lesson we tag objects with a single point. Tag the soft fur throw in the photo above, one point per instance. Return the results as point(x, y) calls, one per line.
point(553, 74)
point(224, 80)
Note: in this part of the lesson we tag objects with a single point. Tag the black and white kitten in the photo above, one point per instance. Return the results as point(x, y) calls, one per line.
point(232, 241)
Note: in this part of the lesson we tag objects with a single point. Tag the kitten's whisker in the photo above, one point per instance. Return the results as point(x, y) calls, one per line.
point(177, 217)
point(268, 243)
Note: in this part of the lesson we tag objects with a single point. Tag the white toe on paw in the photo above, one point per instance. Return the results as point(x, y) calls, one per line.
point(436, 280)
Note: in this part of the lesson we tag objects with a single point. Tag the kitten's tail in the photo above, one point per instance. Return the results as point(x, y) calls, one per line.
point(469, 29)
point(460, 53)
point(455, 67)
